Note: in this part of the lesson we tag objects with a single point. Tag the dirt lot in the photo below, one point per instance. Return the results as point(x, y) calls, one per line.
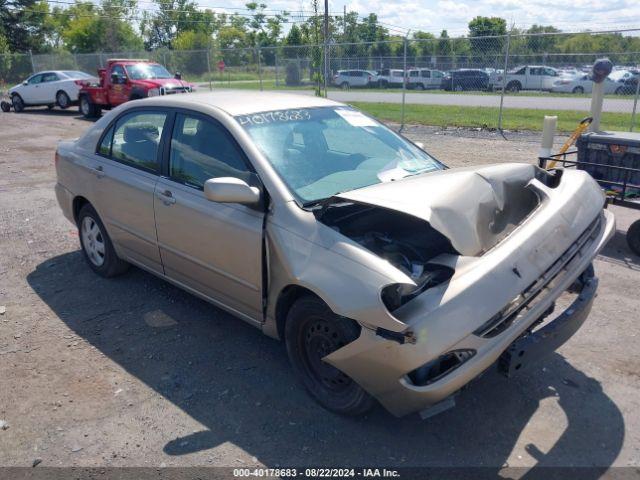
point(134, 372)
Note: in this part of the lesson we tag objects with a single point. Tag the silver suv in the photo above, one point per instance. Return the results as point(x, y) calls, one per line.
point(346, 79)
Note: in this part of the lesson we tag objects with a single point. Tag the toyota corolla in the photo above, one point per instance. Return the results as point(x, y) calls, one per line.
point(389, 276)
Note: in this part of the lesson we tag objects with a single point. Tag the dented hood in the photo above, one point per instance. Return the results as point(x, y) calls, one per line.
point(473, 207)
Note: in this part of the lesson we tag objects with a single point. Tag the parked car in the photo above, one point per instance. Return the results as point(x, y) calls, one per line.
point(531, 77)
point(465, 79)
point(390, 77)
point(128, 79)
point(387, 275)
point(424, 78)
point(354, 78)
point(629, 86)
point(50, 88)
point(581, 83)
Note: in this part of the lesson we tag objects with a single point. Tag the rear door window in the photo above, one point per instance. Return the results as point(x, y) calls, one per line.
point(136, 139)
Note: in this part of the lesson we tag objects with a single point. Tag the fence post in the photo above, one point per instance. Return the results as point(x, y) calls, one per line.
point(209, 70)
point(275, 60)
point(504, 79)
point(635, 106)
point(404, 79)
point(258, 52)
point(33, 65)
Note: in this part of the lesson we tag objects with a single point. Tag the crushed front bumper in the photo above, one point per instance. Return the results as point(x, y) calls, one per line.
point(383, 367)
point(532, 346)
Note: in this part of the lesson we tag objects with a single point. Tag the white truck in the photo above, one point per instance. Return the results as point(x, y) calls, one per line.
point(530, 77)
point(424, 78)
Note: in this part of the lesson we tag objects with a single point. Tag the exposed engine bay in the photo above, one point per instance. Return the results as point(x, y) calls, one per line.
point(407, 242)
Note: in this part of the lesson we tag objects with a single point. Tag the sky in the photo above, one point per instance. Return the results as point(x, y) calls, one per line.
point(454, 15)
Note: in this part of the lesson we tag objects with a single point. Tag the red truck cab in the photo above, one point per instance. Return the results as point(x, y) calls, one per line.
point(127, 79)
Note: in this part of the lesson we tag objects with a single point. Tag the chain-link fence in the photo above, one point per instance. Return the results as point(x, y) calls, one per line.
point(505, 82)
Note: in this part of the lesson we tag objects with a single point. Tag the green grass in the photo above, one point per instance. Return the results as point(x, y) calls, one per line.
point(486, 117)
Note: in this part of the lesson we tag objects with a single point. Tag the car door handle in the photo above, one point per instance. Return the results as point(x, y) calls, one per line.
point(98, 171)
point(167, 197)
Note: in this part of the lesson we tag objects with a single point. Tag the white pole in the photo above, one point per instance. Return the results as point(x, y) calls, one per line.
point(596, 105)
point(548, 134)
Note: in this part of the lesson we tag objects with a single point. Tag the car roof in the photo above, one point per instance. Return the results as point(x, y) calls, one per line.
point(242, 102)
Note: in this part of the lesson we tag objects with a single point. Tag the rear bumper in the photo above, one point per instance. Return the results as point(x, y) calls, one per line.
point(65, 200)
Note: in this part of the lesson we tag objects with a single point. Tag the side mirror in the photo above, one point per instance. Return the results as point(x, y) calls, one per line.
point(230, 190)
point(115, 78)
point(25, 83)
point(178, 76)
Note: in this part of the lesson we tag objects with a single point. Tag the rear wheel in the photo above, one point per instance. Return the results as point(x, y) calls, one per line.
point(312, 332)
point(514, 87)
point(18, 103)
point(96, 244)
point(458, 88)
point(578, 90)
point(63, 100)
point(384, 84)
point(88, 108)
point(620, 91)
point(344, 85)
point(633, 237)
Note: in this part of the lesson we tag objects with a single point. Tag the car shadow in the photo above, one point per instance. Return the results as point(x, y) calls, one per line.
point(617, 251)
point(237, 382)
point(58, 112)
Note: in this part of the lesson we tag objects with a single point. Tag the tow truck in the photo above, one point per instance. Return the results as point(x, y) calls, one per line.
point(127, 79)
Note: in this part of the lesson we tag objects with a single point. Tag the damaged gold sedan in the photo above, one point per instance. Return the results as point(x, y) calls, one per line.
point(388, 275)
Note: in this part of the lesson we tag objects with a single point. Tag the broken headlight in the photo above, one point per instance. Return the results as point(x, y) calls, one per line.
point(397, 294)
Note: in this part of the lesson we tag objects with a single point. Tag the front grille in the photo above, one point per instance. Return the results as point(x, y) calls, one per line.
point(535, 292)
point(171, 91)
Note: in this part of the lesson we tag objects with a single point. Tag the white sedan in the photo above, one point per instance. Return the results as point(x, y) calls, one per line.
point(50, 88)
point(581, 83)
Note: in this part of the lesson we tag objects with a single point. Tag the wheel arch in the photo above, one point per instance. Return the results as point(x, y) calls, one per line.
point(286, 298)
point(78, 203)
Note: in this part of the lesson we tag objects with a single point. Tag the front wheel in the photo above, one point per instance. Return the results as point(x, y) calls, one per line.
point(312, 332)
point(96, 244)
point(620, 91)
point(18, 103)
point(344, 86)
point(578, 90)
point(633, 237)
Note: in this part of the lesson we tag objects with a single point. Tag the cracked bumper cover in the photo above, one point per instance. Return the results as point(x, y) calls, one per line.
point(381, 366)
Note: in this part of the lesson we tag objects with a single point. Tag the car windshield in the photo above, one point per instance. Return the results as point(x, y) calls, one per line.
point(147, 71)
point(319, 152)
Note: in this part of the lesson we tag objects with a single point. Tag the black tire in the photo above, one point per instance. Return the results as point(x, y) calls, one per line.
point(63, 100)
point(458, 88)
point(313, 331)
point(620, 91)
point(344, 85)
point(17, 102)
point(111, 264)
point(50, 107)
point(5, 106)
point(87, 108)
point(578, 90)
point(384, 84)
point(633, 237)
point(513, 87)
point(420, 86)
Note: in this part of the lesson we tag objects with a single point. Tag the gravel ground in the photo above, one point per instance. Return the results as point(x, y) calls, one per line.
point(134, 372)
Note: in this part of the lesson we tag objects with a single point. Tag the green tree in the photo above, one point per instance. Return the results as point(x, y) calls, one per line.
point(22, 24)
point(482, 48)
point(160, 28)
